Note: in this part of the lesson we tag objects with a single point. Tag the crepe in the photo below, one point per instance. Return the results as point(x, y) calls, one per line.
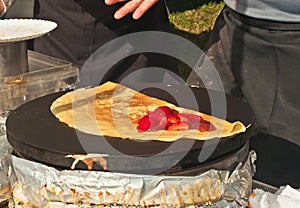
point(114, 110)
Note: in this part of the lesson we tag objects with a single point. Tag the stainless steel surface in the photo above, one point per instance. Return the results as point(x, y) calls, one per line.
point(46, 75)
point(13, 58)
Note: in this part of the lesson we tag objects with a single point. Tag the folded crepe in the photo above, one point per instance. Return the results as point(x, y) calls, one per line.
point(114, 110)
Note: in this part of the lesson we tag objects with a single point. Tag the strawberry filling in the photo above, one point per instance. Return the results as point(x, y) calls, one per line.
point(165, 118)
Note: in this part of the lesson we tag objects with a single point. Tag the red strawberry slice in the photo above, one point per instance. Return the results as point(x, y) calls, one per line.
point(157, 114)
point(206, 126)
point(190, 117)
point(179, 126)
point(166, 110)
point(194, 124)
point(166, 118)
point(150, 123)
point(144, 124)
point(158, 119)
point(174, 112)
point(161, 124)
point(173, 119)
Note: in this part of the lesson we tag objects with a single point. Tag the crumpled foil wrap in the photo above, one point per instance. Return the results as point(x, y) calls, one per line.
point(5, 189)
point(37, 185)
point(5, 148)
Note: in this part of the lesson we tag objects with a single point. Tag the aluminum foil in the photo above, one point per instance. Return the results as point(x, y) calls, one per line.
point(37, 185)
point(5, 188)
point(5, 148)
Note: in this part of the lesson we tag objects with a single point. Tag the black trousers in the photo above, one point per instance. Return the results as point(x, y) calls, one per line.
point(259, 61)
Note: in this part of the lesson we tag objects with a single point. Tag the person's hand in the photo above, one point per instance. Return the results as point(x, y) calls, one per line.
point(137, 7)
point(2, 7)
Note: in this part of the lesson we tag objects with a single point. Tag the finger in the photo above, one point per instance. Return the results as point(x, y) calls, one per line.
point(130, 7)
point(143, 8)
point(2, 8)
point(111, 2)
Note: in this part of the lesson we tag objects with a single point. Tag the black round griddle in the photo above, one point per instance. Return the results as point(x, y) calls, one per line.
point(36, 134)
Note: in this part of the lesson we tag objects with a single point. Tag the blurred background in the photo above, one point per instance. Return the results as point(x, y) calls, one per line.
point(20, 9)
point(191, 19)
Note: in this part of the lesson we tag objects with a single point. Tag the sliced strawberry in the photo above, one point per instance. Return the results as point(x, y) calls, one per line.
point(174, 112)
point(206, 126)
point(149, 123)
point(144, 124)
point(179, 126)
point(166, 110)
point(166, 118)
point(162, 124)
point(158, 119)
point(194, 124)
point(173, 119)
point(190, 117)
point(157, 114)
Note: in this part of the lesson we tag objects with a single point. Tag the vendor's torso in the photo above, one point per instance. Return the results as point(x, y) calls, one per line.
point(282, 11)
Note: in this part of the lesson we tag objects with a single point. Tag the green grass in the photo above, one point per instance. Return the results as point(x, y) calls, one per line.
point(193, 20)
point(196, 22)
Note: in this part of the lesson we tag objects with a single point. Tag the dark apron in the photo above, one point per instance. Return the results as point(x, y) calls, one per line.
point(259, 61)
point(84, 26)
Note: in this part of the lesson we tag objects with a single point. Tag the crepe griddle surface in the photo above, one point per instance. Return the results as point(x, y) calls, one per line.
point(36, 134)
